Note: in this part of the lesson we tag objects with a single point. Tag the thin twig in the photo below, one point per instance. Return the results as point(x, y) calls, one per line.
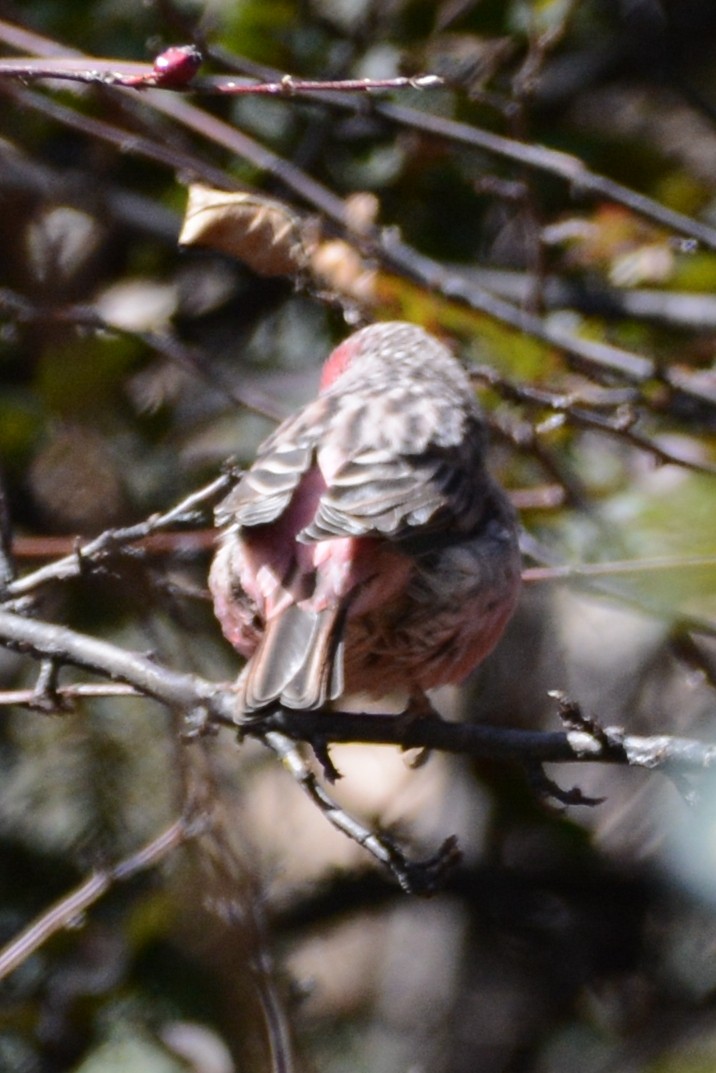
point(131, 74)
point(683, 309)
point(537, 157)
point(107, 543)
point(67, 912)
point(195, 697)
point(599, 359)
point(564, 165)
point(620, 425)
point(415, 877)
point(617, 568)
point(27, 698)
point(524, 437)
point(165, 343)
point(180, 543)
point(385, 244)
point(7, 562)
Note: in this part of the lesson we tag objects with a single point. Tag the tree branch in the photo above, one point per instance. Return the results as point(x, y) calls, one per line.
point(610, 746)
point(415, 877)
point(65, 912)
point(187, 693)
point(565, 166)
point(200, 699)
point(384, 244)
point(108, 542)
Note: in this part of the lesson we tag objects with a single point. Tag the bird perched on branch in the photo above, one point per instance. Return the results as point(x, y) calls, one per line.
point(367, 550)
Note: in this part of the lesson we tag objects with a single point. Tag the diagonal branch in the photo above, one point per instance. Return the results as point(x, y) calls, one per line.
point(68, 909)
point(415, 877)
point(110, 540)
point(620, 424)
point(187, 693)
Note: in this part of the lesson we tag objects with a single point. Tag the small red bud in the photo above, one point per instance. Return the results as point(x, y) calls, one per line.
point(176, 66)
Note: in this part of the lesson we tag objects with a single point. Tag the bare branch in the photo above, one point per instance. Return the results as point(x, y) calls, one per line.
point(570, 168)
point(386, 245)
point(66, 912)
point(181, 542)
point(200, 699)
point(165, 343)
point(597, 358)
point(108, 542)
point(617, 568)
point(130, 74)
point(620, 424)
point(683, 309)
point(193, 696)
point(415, 877)
point(537, 157)
point(27, 698)
point(610, 746)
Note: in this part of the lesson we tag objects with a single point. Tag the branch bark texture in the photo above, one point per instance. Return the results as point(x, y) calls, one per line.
point(204, 702)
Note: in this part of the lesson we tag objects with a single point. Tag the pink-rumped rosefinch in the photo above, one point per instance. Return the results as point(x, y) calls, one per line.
point(367, 550)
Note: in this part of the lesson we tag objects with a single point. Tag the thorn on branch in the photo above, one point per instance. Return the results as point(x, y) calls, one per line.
point(547, 788)
point(688, 793)
point(418, 759)
point(288, 86)
point(427, 877)
point(198, 724)
point(322, 753)
point(80, 561)
point(232, 470)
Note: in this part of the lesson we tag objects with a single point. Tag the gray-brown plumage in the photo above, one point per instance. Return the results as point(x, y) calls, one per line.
point(367, 549)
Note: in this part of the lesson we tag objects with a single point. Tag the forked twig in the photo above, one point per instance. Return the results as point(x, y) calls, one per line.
point(107, 543)
point(415, 877)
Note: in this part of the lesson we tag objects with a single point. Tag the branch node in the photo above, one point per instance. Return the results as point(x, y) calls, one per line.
point(548, 789)
point(198, 723)
point(321, 751)
point(46, 697)
point(426, 81)
point(288, 86)
point(573, 718)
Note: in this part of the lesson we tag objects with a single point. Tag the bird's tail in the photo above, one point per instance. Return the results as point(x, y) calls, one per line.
point(299, 662)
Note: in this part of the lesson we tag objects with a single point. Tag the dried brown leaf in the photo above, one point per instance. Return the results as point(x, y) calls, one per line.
point(263, 233)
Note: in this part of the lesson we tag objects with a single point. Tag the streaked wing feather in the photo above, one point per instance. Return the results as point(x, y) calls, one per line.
point(435, 491)
point(401, 466)
point(265, 491)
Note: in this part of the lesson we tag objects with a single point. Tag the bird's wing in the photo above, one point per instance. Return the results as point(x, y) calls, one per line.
point(264, 492)
point(393, 463)
point(395, 468)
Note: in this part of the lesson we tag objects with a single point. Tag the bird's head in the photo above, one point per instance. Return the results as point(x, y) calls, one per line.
point(388, 343)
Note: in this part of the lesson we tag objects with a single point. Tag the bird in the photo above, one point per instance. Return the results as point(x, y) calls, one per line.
point(367, 553)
